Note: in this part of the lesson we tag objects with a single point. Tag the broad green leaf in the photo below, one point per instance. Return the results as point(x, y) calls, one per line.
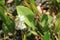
point(28, 14)
point(44, 20)
point(21, 10)
point(46, 36)
point(30, 24)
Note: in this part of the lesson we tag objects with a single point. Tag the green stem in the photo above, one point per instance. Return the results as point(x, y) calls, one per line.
point(23, 35)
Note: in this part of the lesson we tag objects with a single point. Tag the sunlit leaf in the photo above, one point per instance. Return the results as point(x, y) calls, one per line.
point(28, 14)
point(58, 1)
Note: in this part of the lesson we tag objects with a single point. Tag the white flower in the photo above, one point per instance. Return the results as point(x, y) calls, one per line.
point(19, 23)
point(22, 26)
point(22, 18)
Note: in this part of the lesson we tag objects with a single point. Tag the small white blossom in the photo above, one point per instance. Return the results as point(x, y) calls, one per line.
point(22, 26)
point(19, 23)
point(22, 18)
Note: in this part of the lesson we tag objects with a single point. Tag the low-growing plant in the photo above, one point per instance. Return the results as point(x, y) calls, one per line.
point(21, 20)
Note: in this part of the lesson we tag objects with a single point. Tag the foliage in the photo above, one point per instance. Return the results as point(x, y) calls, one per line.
point(37, 25)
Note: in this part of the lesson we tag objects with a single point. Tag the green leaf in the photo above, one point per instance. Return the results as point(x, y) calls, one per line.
point(49, 19)
point(58, 1)
point(4, 17)
point(6, 20)
point(44, 20)
point(57, 23)
point(30, 24)
point(32, 1)
point(5, 29)
point(45, 28)
point(28, 34)
point(34, 33)
point(33, 6)
point(28, 14)
point(46, 36)
point(17, 2)
point(58, 15)
point(2, 2)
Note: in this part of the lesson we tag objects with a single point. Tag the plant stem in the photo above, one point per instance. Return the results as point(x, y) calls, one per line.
point(23, 35)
